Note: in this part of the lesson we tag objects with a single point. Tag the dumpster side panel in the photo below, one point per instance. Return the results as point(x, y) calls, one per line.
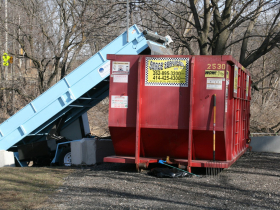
point(164, 142)
point(229, 111)
point(164, 109)
point(123, 139)
point(164, 106)
point(209, 79)
point(122, 104)
point(124, 86)
point(203, 145)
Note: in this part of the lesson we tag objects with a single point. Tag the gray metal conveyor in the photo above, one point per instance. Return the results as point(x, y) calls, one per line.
point(72, 96)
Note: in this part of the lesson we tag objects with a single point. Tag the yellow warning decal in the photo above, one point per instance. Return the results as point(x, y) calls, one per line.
point(214, 73)
point(235, 79)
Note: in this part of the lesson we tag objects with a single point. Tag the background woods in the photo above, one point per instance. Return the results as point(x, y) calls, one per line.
point(50, 38)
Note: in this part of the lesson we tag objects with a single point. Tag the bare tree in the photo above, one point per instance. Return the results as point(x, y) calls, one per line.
point(52, 38)
point(58, 35)
point(210, 23)
point(249, 30)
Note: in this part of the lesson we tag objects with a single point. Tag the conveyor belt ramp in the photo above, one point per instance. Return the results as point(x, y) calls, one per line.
point(72, 96)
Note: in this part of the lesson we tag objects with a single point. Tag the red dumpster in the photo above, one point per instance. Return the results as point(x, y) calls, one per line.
point(164, 106)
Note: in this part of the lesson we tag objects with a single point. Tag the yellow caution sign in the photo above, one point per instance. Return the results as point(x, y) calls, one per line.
point(6, 58)
point(167, 71)
point(214, 73)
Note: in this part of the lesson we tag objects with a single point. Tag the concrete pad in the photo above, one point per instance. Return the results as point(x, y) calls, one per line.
point(7, 159)
point(83, 152)
point(265, 144)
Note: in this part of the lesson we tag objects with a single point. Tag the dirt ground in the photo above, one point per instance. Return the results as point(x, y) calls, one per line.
point(253, 182)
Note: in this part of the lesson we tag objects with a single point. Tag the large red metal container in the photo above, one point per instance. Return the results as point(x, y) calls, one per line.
point(163, 106)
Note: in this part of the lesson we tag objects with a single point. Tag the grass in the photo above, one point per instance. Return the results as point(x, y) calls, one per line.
point(29, 187)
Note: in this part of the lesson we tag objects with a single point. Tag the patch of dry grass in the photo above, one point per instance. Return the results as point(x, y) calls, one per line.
point(28, 188)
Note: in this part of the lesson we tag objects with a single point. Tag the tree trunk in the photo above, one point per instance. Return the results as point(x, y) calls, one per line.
point(248, 33)
point(221, 34)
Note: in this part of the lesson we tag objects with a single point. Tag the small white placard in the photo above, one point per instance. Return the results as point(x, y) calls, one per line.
point(104, 70)
point(227, 82)
point(120, 67)
point(120, 78)
point(119, 101)
point(214, 84)
point(226, 106)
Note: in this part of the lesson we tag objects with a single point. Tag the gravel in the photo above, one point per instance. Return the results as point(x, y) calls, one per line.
point(253, 182)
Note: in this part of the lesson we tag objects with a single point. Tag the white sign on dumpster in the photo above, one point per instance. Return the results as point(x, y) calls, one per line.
point(119, 101)
point(214, 84)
